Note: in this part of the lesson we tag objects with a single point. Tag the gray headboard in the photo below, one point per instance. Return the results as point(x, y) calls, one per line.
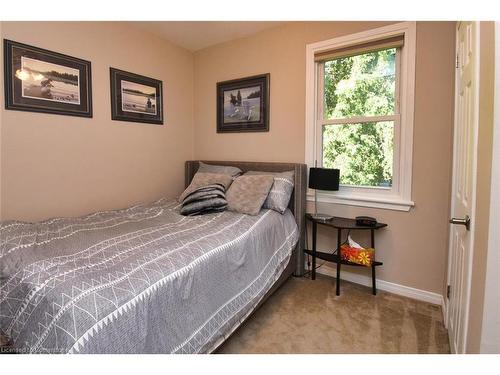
point(297, 202)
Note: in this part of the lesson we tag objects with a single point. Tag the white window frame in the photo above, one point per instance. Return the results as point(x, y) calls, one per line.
point(398, 197)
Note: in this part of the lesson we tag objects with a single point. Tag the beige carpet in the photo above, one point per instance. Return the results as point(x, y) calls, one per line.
point(305, 316)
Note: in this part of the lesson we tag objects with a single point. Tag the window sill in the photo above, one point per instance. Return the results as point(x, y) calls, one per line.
point(386, 203)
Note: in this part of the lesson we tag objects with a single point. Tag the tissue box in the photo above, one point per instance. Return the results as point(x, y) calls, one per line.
point(363, 257)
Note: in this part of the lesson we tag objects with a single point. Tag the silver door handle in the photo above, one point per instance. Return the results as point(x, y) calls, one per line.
point(465, 221)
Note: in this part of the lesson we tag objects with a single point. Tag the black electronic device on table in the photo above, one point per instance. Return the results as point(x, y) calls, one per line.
point(366, 221)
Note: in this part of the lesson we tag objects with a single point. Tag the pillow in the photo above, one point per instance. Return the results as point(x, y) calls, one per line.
point(201, 179)
point(281, 191)
point(204, 200)
point(204, 206)
point(247, 193)
point(219, 169)
point(206, 192)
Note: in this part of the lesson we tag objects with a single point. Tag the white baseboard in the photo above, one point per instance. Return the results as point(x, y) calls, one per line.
point(406, 291)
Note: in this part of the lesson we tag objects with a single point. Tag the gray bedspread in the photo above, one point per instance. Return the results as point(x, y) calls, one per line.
point(140, 280)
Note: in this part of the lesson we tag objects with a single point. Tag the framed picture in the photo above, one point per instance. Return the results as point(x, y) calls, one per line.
point(243, 105)
point(38, 80)
point(136, 98)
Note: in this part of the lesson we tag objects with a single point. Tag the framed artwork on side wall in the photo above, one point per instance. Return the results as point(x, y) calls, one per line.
point(243, 105)
point(39, 80)
point(136, 98)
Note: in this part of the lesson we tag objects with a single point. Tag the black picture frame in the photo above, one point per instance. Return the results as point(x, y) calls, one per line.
point(39, 80)
point(129, 106)
point(239, 113)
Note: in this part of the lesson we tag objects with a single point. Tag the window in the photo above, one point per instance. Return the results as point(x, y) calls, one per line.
point(360, 114)
point(357, 115)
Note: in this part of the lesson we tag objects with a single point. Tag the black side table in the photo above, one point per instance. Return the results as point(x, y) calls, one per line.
point(340, 223)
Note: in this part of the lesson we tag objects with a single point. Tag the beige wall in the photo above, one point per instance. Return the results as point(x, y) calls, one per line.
point(414, 247)
point(484, 158)
point(60, 165)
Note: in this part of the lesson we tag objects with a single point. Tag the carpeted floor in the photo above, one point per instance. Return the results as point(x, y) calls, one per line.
point(305, 316)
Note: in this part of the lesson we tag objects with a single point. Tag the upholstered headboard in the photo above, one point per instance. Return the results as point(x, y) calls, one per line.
point(297, 203)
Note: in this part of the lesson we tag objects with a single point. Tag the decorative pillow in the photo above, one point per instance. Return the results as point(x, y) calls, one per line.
point(206, 199)
point(208, 206)
point(248, 193)
point(357, 255)
point(206, 192)
point(201, 179)
point(281, 191)
point(219, 169)
point(204, 206)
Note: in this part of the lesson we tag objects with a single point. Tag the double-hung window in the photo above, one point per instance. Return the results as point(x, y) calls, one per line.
point(360, 114)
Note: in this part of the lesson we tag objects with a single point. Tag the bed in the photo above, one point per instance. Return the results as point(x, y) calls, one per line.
point(145, 279)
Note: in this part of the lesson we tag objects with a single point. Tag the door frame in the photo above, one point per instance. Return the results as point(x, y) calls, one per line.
point(490, 332)
point(446, 312)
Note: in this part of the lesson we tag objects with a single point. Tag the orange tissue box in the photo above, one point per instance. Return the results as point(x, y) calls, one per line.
point(363, 257)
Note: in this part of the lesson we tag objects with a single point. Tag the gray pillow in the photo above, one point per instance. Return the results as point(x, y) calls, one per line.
point(205, 206)
point(247, 194)
point(281, 191)
point(219, 169)
point(204, 200)
point(206, 192)
point(201, 179)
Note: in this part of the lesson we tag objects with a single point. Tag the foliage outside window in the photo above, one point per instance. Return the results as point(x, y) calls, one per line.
point(359, 114)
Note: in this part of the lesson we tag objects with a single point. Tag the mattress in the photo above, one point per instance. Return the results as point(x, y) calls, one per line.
point(140, 280)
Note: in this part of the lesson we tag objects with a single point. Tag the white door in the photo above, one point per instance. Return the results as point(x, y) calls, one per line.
point(463, 185)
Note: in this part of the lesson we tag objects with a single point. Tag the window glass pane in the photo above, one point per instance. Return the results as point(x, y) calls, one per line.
point(362, 85)
point(362, 152)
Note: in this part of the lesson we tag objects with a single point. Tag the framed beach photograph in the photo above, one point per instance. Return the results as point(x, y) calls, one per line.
point(243, 105)
point(39, 80)
point(136, 98)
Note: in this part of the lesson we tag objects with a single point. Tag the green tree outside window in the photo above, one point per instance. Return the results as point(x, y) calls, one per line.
point(362, 85)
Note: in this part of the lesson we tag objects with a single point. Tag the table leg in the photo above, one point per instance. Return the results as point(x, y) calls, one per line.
point(313, 271)
point(339, 239)
point(374, 285)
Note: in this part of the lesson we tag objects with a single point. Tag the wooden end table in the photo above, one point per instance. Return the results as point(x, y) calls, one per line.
point(340, 223)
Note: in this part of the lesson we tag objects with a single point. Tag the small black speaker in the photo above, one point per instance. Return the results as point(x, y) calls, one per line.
point(366, 221)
